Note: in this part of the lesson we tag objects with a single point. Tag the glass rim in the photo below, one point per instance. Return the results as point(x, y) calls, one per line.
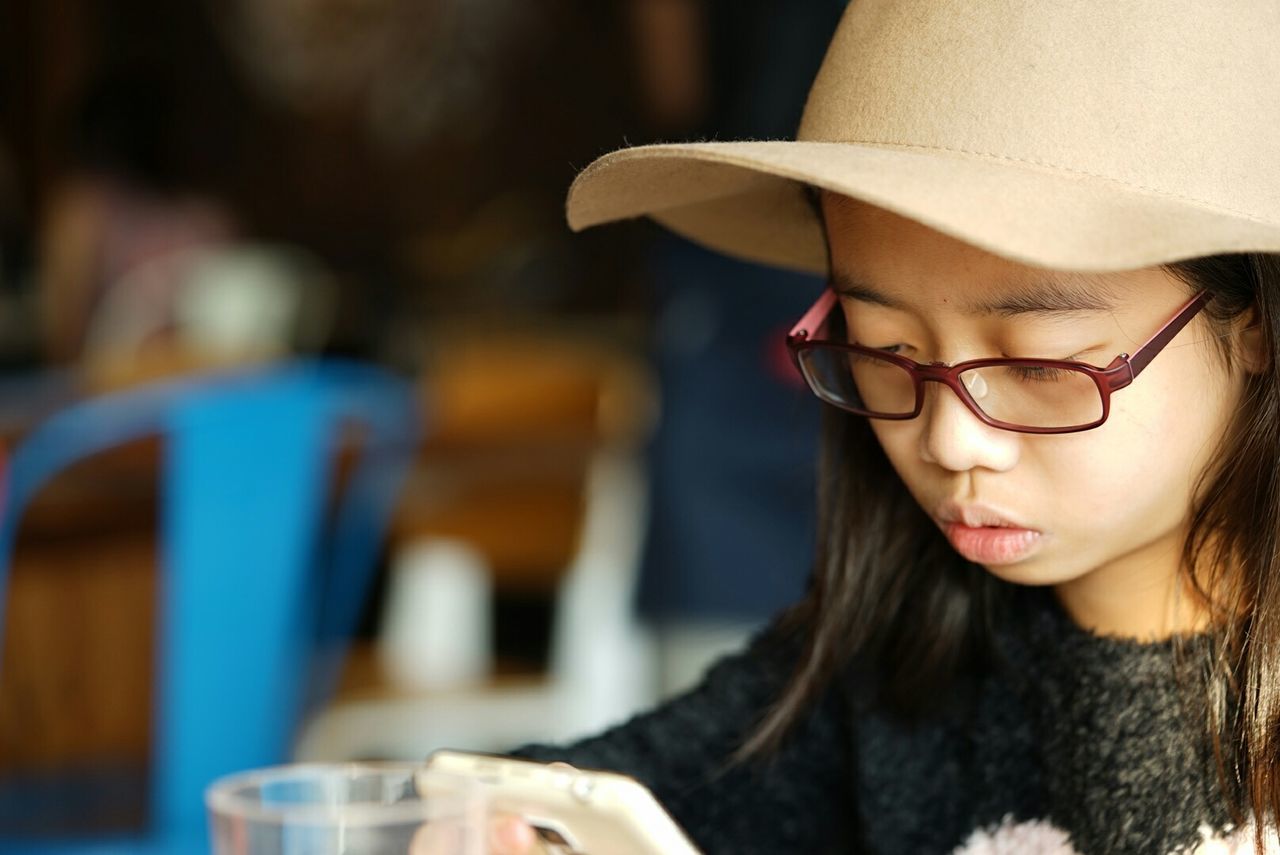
point(225, 796)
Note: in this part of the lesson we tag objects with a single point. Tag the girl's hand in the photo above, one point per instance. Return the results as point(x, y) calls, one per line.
point(508, 835)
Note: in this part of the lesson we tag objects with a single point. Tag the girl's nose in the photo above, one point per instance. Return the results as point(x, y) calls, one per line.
point(955, 438)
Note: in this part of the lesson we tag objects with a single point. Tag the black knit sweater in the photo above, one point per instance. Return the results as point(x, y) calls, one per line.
point(1068, 743)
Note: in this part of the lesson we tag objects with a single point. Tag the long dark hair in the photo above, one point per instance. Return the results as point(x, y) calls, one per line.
point(888, 591)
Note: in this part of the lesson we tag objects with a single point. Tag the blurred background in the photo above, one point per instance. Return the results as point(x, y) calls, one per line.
point(325, 438)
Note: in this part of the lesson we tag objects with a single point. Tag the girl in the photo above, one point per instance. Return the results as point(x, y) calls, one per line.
point(1045, 614)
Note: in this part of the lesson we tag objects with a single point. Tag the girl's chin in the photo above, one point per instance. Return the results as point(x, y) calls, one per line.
point(1043, 568)
point(1018, 575)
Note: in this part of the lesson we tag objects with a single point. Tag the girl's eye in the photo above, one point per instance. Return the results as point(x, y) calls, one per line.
point(1075, 357)
point(1038, 373)
point(889, 348)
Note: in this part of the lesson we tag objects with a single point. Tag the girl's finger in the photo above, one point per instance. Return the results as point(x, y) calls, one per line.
point(437, 838)
point(511, 835)
point(508, 835)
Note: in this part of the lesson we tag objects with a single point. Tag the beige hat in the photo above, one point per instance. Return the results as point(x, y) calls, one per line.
point(1078, 134)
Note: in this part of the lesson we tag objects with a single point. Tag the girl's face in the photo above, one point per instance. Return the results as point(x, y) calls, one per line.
point(1104, 511)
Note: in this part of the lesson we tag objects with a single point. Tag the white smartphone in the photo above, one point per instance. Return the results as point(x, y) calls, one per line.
point(573, 811)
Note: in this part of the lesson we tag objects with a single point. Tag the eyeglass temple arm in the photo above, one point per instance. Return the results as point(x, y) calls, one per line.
point(813, 319)
point(1142, 358)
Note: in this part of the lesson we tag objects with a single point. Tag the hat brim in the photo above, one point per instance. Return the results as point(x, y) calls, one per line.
point(746, 199)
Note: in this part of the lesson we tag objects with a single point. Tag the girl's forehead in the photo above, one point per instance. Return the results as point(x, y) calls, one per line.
point(1045, 293)
point(872, 243)
point(882, 258)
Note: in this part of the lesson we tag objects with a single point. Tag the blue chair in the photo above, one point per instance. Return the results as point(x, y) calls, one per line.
point(258, 582)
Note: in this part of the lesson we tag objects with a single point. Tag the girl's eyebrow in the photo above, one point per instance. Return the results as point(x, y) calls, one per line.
point(1048, 296)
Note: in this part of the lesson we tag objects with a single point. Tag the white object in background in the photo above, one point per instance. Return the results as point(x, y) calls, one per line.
point(437, 623)
point(601, 658)
point(241, 302)
point(255, 301)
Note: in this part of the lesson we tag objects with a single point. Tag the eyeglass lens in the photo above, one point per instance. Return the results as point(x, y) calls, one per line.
point(1035, 396)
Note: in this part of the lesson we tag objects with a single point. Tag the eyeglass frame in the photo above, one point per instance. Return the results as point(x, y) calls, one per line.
point(1121, 372)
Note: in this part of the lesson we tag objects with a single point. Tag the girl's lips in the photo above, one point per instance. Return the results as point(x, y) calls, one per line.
point(991, 544)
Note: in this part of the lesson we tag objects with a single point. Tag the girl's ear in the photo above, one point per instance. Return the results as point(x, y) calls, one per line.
point(1251, 342)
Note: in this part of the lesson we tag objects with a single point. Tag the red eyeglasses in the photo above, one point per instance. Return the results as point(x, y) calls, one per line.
point(1024, 395)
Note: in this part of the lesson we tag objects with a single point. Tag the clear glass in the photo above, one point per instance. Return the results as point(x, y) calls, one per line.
point(345, 809)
